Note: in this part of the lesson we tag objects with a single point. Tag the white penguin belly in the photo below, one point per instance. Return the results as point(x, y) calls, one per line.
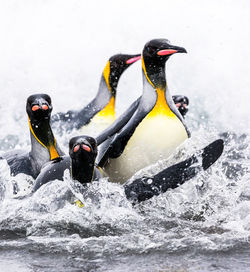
point(97, 125)
point(155, 138)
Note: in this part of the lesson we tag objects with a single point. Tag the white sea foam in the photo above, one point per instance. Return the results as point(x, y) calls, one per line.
point(60, 48)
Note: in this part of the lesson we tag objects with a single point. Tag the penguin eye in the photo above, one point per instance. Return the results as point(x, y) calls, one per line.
point(35, 108)
point(45, 107)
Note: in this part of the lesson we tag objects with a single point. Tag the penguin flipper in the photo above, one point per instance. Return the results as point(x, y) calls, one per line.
point(146, 187)
point(113, 147)
point(76, 119)
point(51, 171)
point(19, 162)
point(123, 119)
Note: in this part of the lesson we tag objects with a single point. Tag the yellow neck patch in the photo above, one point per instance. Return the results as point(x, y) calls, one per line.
point(52, 148)
point(161, 107)
point(106, 73)
point(101, 171)
point(53, 152)
point(108, 112)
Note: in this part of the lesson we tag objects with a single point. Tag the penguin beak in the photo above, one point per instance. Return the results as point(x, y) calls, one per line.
point(134, 59)
point(76, 148)
point(40, 107)
point(86, 147)
point(83, 146)
point(172, 50)
point(35, 108)
point(40, 104)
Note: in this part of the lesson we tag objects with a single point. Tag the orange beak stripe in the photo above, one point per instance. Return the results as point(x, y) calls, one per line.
point(85, 147)
point(45, 107)
point(35, 108)
point(132, 60)
point(166, 52)
point(76, 148)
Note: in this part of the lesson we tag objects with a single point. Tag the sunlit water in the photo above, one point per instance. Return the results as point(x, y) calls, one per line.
point(204, 225)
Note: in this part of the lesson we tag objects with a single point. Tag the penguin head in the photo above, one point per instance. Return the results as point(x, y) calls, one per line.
point(38, 107)
point(181, 102)
point(158, 51)
point(83, 149)
point(117, 64)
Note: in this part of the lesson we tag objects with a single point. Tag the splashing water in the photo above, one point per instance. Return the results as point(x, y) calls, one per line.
point(204, 225)
point(205, 218)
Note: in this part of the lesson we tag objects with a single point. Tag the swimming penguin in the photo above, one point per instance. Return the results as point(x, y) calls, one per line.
point(100, 112)
point(152, 127)
point(81, 163)
point(181, 103)
point(43, 144)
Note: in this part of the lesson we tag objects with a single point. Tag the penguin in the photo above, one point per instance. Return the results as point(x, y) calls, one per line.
point(81, 163)
point(43, 143)
point(181, 102)
point(100, 112)
point(152, 128)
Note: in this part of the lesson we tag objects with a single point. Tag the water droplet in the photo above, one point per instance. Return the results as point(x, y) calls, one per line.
point(149, 181)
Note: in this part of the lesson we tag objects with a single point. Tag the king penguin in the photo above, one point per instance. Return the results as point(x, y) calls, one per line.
point(152, 128)
point(80, 162)
point(181, 102)
point(43, 144)
point(100, 112)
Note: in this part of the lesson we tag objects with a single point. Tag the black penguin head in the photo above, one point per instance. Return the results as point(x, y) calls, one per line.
point(83, 149)
point(159, 50)
point(181, 102)
point(38, 107)
point(118, 64)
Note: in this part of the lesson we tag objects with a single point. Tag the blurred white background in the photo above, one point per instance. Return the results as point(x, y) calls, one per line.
point(61, 46)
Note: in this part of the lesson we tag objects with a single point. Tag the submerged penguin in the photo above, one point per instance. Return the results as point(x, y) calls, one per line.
point(43, 144)
point(81, 163)
point(181, 103)
point(100, 112)
point(152, 128)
